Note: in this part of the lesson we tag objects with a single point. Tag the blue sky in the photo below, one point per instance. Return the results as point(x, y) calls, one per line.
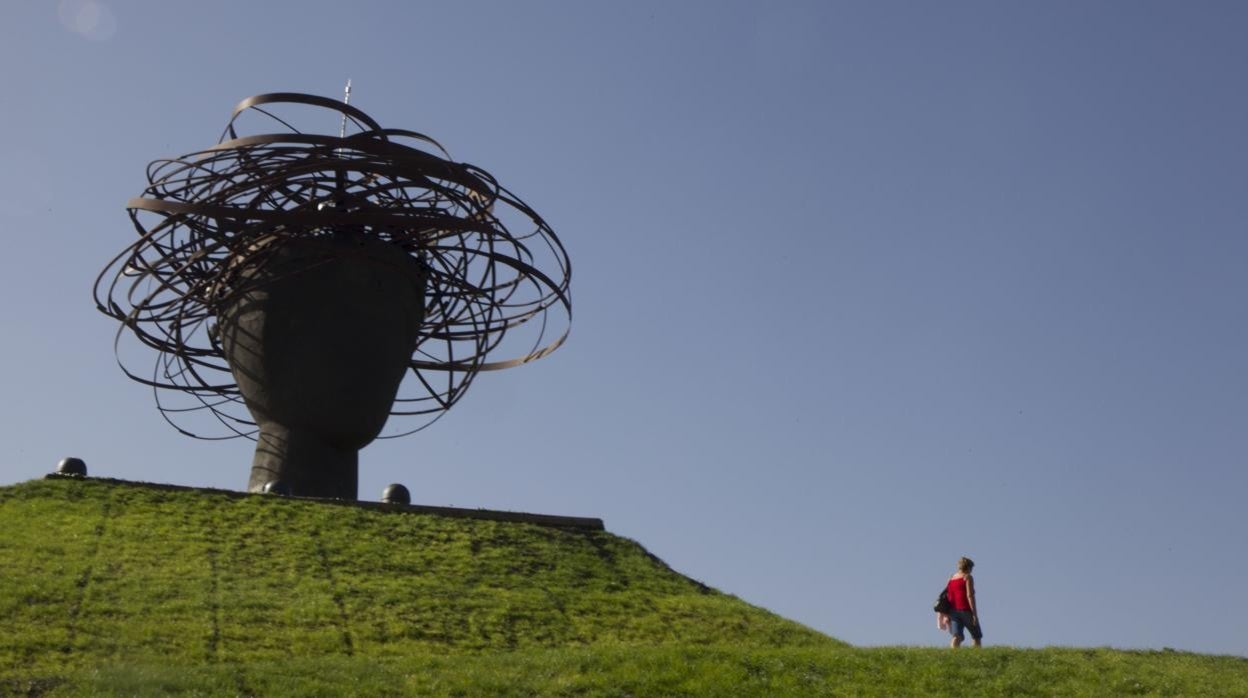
point(859, 288)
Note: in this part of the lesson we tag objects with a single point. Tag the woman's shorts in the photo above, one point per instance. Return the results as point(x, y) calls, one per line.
point(963, 619)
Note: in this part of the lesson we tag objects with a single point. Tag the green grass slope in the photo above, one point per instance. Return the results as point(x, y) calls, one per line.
point(116, 589)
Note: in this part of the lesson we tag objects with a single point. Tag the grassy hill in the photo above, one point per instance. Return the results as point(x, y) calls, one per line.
point(119, 589)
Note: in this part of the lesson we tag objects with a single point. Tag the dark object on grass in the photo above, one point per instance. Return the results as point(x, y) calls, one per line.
point(302, 289)
point(72, 466)
point(276, 487)
point(396, 494)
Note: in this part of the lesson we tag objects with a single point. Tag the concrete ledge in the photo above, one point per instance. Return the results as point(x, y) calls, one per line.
point(577, 522)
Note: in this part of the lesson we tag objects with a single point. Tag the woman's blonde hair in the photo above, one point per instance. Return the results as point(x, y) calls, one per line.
point(965, 564)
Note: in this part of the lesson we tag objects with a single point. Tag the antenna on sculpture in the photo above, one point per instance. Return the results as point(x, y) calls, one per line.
point(342, 133)
point(346, 99)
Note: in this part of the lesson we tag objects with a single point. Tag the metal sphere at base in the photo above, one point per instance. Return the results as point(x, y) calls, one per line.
point(276, 487)
point(396, 494)
point(72, 466)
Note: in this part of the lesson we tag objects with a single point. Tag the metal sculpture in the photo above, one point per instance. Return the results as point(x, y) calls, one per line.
point(303, 289)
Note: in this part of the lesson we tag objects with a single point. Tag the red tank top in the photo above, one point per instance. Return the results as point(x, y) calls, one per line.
point(957, 594)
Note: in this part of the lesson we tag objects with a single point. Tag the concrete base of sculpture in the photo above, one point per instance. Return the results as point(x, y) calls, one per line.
point(460, 513)
point(319, 337)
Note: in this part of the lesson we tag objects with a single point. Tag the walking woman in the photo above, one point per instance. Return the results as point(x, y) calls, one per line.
point(965, 614)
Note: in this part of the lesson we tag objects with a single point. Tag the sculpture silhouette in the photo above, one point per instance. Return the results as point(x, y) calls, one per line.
point(326, 284)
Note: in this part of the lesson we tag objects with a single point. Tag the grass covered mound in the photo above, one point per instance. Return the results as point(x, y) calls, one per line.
point(97, 573)
point(116, 589)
